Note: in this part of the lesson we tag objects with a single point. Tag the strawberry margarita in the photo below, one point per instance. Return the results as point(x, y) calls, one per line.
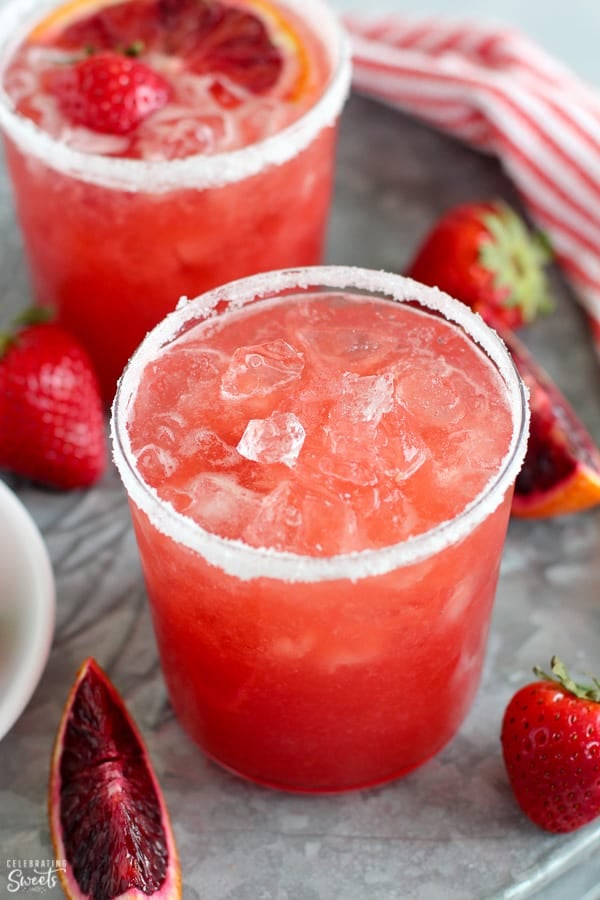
point(320, 476)
point(162, 147)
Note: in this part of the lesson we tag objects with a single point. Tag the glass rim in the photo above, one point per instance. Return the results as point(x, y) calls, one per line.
point(244, 561)
point(199, 171)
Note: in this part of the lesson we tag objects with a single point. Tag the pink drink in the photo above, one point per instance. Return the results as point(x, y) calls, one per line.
point(320, 482)
point(222, 182)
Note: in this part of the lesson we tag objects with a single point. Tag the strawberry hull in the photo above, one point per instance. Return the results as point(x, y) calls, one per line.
point(115, 262)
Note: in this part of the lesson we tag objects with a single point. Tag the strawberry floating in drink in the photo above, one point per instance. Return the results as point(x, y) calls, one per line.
point(51, 417)
point(484, 255)
point(109, 93)
point(551, 747)
point(108, 818)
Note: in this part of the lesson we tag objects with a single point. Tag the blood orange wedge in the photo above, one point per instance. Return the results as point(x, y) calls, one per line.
point(108, 819)
point(561, 471)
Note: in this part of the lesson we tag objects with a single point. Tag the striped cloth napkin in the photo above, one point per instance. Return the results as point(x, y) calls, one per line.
point(496, 90)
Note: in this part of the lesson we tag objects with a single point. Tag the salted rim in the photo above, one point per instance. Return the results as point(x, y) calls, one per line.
point(240, 559)
point(199, 171)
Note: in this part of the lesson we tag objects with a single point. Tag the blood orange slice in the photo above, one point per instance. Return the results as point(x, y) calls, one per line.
point(108, 819)
point(249, 41)
point(561, 471)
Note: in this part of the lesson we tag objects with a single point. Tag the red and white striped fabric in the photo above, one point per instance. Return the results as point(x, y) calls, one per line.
point(499, 92)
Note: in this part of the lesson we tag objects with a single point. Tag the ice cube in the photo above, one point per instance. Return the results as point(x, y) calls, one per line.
point(437, 393)
point(193, 124)
point(216, 502)
point(20, 83)
point(88, 141)
point(155, 463)
point(197, 376)
point(351, 428)
point(261, 369)
point(304, 518)
point(207, 446)
point(348, 457)
point(359, 349)
point(391, 519)
point(366, 398)
point(366, 452)
point(276, 521)
point(400, 449)
point(329, 524)
point(155, 442)
point(277, 439)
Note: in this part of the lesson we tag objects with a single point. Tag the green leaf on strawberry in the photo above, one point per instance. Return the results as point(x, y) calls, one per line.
point(484, 255)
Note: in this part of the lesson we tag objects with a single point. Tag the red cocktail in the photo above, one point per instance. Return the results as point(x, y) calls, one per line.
point(223, 169)
point(320, 475)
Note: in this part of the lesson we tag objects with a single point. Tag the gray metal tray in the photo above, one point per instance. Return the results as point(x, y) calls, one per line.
point(449, 831)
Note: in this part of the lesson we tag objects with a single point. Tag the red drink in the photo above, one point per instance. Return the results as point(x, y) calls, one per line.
point(232, 175)
point(320, 502)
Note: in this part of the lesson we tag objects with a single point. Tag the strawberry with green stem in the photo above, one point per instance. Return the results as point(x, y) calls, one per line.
point(51, 415)
point(484, 255)
point(109, 92)
point(551, 748)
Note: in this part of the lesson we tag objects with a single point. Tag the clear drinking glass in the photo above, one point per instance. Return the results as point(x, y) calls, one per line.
point(324, 672)
point(111, 241)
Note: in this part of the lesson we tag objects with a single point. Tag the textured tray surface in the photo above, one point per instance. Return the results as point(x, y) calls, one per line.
point(450, 830)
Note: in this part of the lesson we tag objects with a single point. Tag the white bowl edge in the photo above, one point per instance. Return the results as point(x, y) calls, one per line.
point(40, 609)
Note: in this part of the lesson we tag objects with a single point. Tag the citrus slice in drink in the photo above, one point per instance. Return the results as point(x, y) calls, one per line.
point(108, 819)
point(561, 471)
point(250, 42)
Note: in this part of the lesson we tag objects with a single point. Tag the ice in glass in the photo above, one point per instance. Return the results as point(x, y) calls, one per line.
point(320, 466)
point(220, 166)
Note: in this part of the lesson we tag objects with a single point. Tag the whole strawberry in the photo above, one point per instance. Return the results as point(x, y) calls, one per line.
point(484, 255)
point(551, 747)
point(51, 416)
point(109, 93)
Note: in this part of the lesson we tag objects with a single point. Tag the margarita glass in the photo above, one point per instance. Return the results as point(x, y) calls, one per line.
point(111, 240)
point(320, 466)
